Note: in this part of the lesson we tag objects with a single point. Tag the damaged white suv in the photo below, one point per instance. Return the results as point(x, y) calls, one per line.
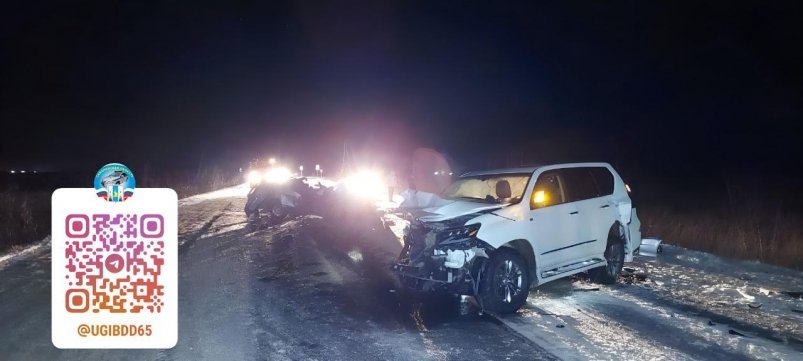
point(494, 234)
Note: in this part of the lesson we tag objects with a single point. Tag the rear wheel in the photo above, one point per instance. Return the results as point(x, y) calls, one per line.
point(615, 256)
point(506, 283)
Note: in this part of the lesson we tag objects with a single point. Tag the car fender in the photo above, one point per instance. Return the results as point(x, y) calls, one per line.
point(503, 230)
point(500, 227)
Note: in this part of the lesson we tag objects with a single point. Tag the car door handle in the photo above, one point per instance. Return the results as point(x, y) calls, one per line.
point(574, 213)
point(605, 206)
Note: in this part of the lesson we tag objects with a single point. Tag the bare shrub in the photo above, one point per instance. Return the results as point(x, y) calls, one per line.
point(25, 215)
point(747, 232)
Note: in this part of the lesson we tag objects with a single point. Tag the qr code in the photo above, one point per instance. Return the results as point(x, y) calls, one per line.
point(113, 263)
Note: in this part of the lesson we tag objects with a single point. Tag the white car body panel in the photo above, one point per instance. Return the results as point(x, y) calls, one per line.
point(456, 209)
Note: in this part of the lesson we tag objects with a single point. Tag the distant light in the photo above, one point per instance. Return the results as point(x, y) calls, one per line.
point(436, 173)
point(22, 171)
point(317, 167)
point(450, 173)
point(34, 172)
point(13, 171)
point(301, 168)
point(272, 161)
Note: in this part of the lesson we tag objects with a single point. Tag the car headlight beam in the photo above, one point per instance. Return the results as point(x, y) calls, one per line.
point(278, 175)
point(254, 178)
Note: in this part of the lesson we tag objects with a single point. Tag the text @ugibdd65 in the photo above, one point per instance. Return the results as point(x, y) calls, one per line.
point(114, 330)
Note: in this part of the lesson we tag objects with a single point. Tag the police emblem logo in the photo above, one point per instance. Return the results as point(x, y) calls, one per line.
point(114, 182)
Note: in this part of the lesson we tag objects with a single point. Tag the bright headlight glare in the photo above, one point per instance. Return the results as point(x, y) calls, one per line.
point(366, 184)
point(254, 177)
point(278, 175)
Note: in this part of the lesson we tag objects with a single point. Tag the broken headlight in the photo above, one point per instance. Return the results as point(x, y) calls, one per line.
point(458, 235)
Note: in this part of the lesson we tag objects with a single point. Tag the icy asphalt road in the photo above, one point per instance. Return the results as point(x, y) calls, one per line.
point(306, 291)
point(300, 291)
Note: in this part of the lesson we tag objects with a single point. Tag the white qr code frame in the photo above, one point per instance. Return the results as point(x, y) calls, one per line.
point(127, 294)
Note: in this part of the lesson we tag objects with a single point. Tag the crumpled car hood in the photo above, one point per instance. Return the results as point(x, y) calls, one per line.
point(457, 209)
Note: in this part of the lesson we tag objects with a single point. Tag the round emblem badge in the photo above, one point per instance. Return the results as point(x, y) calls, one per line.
point(114, 182)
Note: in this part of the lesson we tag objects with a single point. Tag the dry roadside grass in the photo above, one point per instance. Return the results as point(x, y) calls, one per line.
point(25, 215)
point(750, 233)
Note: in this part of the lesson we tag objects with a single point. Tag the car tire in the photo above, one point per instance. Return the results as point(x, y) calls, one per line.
point(615, 256)
point(505, 283)
point(277, 212)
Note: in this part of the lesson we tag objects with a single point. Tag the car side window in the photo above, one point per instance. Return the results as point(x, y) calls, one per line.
point(548, 190)
point(603, 179)
point(580, 184)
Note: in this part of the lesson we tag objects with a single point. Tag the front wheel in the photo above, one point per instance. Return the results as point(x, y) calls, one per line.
point(277, 212)
point(506, 283)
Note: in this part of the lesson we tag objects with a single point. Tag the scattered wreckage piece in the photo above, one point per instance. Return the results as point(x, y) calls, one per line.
point(650, 247)
point(632, 275)
point(794, 294)
point(736, 333)
point(586, 289)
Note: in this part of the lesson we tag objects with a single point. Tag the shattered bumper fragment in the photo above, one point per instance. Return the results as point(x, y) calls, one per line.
point(650, 247)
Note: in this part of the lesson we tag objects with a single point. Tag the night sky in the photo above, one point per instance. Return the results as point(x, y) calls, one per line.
point(664, 91)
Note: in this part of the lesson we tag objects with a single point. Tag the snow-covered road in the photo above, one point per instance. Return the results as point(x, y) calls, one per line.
point(299, 291)
point(683, 305)
point(311, 290)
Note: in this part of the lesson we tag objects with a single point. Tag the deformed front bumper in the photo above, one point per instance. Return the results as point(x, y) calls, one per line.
point(448, 280)
point(450, 270)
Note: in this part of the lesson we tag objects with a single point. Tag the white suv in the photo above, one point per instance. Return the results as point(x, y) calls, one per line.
point(494, 234)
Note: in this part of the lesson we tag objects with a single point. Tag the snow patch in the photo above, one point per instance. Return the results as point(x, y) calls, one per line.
point(6, 258)
point(236, 191)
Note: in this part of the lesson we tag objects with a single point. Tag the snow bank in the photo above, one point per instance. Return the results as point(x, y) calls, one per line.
point(6, 258)
point(236, 191)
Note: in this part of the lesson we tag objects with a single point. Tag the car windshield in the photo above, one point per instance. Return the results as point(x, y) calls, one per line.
point(489, 188)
